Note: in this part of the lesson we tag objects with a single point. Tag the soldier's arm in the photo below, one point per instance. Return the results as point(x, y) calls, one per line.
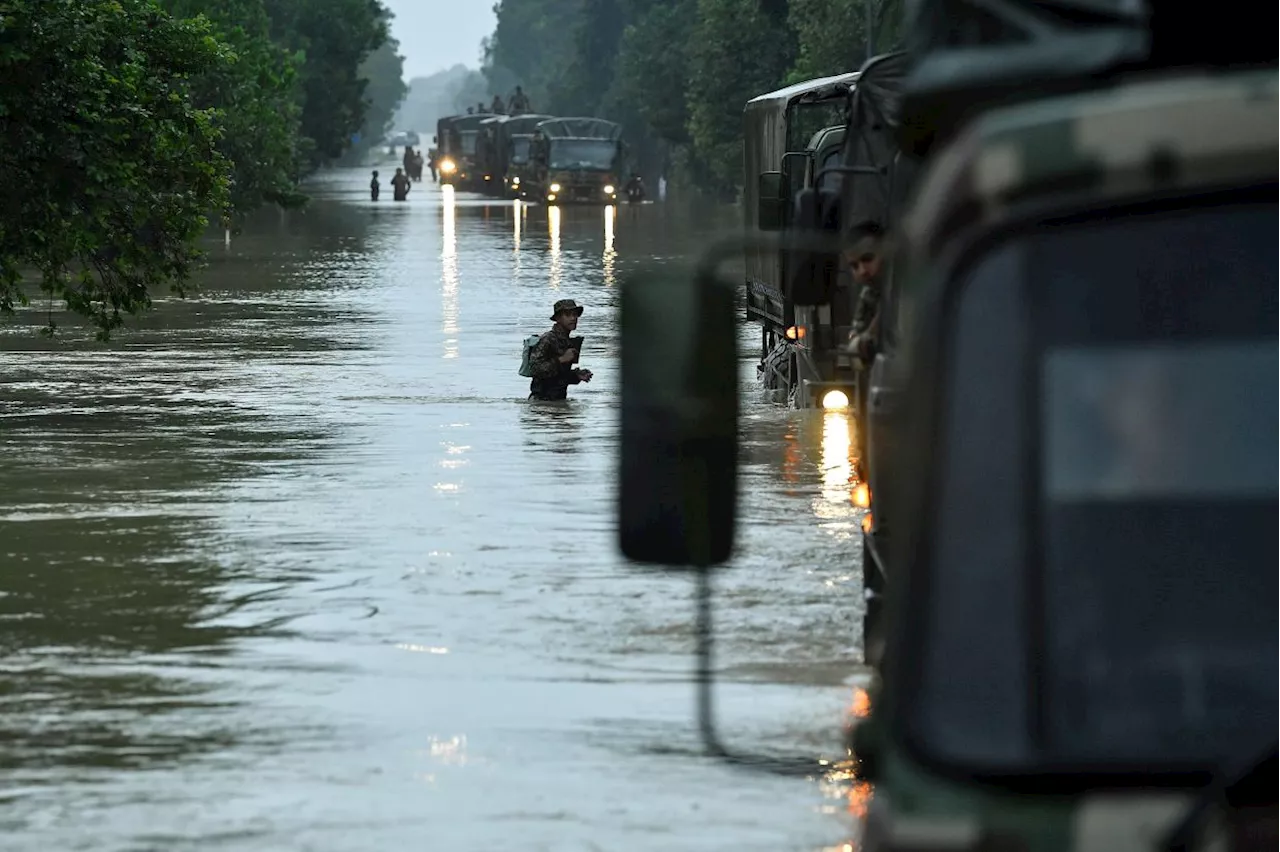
point(544, 361)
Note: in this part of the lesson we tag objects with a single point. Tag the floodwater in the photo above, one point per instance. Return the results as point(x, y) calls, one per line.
point(292, 564)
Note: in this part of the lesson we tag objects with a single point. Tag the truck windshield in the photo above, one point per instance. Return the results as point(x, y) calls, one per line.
point(468, 138)
point(1159, 434)
point(1111, 600)
point(520, 150)
point(582, 154)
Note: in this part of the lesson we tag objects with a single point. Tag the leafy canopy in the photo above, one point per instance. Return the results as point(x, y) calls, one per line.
point(107, 166)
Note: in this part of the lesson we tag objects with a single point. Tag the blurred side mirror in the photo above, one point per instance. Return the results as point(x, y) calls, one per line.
point(678, 464)
point(435, 140)
point(770, 215)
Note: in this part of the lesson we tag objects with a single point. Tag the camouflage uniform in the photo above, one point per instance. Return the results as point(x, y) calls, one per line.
point(862, 337)
point(551, 379)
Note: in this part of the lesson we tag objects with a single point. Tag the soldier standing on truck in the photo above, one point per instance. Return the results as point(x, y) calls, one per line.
point(552, 358)
point(519, 102)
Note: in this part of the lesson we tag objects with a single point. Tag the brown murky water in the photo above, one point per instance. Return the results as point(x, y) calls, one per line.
point(292, 564)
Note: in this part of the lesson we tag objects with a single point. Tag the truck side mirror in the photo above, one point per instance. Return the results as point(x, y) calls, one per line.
point(679, 456)
point(770, 215)
point(435, 140)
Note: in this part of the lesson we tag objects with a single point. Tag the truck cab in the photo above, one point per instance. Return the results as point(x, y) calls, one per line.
point(576, 160)
point(457, 139)
point(1084, 545)
point(515, 152)
point(791, 136)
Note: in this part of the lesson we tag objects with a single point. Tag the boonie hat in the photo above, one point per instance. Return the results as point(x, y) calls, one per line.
point(565, 305)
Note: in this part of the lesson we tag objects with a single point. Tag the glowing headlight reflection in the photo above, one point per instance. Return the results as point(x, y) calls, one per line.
point(448, 166)
point(449, 274)
point(839, 476)
point(555, 187)
point(610, 255)
point(608, 189)
point(834, 400)
point(553, 235)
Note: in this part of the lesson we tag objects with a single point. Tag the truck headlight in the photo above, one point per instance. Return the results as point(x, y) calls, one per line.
point(833, 400)
point(555, 187)
point(448, 166)
point(608, 189)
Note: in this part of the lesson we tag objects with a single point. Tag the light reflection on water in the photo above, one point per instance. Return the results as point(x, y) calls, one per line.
point(839, 478)
point(449, 272)
point(610, 257)
point(553, 235)
point(518, 222)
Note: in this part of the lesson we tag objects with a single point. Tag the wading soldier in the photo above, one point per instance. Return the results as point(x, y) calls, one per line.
point(552, 358)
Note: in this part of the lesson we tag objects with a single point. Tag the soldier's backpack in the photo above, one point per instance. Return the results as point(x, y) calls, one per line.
point(529, 342)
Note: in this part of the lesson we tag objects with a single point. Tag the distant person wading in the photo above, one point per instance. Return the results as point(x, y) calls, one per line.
point(551, 358)
point(400, 186)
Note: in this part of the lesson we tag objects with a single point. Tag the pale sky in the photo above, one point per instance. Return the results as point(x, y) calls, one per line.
point(438, 34)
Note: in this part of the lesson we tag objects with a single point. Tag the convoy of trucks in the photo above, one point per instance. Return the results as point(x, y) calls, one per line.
point(532, 157)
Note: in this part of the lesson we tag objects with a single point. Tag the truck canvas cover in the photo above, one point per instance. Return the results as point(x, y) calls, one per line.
point(580, 128)
point(877, 187)
point(766, 121)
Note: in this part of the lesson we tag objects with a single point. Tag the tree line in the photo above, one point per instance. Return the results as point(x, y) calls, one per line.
point(676, 73)
point(127, 125)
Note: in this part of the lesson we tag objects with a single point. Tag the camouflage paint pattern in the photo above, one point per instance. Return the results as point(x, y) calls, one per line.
point(1173, 134)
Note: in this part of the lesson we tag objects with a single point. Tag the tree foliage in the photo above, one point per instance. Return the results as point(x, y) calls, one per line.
point(126, 124)
point(107, 166)
point(255, 97)
point(332, 38)
point(738, 51)
point(678, 72)
point(385, 90)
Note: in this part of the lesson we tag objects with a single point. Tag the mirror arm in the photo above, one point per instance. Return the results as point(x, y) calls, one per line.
point(704, 628)
point(786, 183)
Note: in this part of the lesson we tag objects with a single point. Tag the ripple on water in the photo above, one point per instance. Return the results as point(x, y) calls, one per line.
point(294, 564)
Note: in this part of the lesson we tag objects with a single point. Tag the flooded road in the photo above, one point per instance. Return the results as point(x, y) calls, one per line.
point(293, 565)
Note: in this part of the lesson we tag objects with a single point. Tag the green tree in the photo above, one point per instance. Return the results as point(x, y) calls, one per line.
point(107, 166)
point(739, 49)
point(385, 89)
point(531, 46)
point(333, 38)
point(588, 74)
point(652, 70)
point(256, 95)
point(836, 36)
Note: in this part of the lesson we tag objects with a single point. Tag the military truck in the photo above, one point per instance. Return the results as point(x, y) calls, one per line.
point(456, 140)
point(792, 137)
point(1071, 356)
point(1080, 638)
point(575, 160)
point(515, 144)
